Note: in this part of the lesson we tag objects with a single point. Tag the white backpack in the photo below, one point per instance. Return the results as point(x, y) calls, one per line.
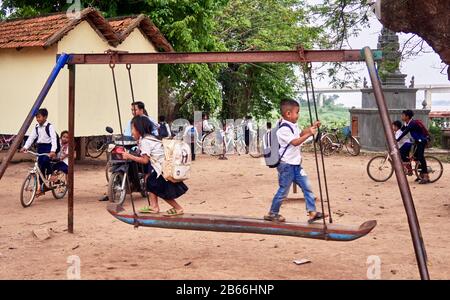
point(177, 160)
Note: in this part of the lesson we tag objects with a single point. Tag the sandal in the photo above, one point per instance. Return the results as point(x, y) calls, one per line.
point(173, 213)
point(318, 216)
point(275, 218)
point(148, 210)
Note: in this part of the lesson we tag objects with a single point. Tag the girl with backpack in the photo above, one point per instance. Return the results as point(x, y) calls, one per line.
point(152, 154)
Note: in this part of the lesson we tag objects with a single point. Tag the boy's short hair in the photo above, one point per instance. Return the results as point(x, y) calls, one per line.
point(287, 105)
point(269, 125)
point(64, 132)
point(139, 104)
point(397, 124)
point(43, 112)
point(409, 113)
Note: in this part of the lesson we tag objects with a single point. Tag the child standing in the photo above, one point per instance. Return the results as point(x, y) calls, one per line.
point(290, 170)
point(152, 154)
point(44, 135)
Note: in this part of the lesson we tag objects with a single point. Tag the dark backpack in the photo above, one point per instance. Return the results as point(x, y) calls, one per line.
point(162, 130)
point(425, 132)
point(271, 146)
point(47, 130)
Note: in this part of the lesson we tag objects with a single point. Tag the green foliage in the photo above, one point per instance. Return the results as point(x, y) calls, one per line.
point(436, 134)
point(261, 25)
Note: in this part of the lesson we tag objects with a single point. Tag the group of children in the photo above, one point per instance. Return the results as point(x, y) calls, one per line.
point(47, 141)
point(290, 169)
point(412, 132)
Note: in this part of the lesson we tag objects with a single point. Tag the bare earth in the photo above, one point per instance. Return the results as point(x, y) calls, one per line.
point(109, 249)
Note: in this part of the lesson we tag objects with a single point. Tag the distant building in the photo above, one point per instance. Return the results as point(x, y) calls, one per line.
point(28, 50)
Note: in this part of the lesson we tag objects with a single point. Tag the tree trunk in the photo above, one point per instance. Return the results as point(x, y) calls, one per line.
point(428, 19)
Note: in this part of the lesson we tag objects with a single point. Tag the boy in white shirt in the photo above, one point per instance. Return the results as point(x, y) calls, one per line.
point(290, 170)
point(404, 145)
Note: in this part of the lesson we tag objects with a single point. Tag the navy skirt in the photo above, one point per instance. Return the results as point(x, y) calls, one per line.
point(164, 189)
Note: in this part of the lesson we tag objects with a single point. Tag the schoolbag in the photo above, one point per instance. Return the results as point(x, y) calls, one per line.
point(162, 130)
point(425, 132)
point(47, 130)
point(271, 146)
point(176, 166)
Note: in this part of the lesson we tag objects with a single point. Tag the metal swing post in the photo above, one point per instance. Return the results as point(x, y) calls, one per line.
point(403, 184)
point(70, 177)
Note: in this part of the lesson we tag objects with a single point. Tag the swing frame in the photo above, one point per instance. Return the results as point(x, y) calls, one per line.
point(296, 56)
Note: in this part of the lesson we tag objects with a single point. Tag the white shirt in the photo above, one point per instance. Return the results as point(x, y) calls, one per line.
point(42, 137)
point(187, 135)
point(285, 137)
point(64, 151)
point(154, 149)
point(206, 126)
point(404, 140)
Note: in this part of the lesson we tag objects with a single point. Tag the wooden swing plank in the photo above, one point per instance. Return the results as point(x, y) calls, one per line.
point(203, 222)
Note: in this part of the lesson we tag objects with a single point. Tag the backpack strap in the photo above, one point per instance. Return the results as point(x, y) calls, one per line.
point(292, 130)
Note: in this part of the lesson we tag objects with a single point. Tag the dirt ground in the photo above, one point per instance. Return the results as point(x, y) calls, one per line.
point(110, 249)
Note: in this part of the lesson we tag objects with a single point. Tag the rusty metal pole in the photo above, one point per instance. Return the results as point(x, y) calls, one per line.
point(62, 60)
point(71, 146)
point(403, 184)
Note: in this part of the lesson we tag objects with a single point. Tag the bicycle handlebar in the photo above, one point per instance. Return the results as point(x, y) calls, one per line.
point(37, 154)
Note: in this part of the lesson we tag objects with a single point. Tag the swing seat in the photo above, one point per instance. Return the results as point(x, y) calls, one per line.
point(203, 222)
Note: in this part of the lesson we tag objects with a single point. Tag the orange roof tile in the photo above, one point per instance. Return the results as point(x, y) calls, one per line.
point(45, 31)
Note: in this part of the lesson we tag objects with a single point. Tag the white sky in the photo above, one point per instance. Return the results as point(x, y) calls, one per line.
point(426, 68)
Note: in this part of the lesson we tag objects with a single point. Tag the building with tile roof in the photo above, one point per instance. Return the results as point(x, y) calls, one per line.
point(28, 50)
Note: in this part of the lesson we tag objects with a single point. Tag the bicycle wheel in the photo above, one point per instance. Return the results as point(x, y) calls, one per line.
point(59, 187)
point(95, 147)
point(380, 168)
point(352, 145)
point(115, 192)
point(434, 166)
point(328, 147)
point(28, 191)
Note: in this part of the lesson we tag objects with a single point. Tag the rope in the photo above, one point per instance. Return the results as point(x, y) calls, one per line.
point(112, 66)
point(131, 82)
point(320, 145)
point(315, 152)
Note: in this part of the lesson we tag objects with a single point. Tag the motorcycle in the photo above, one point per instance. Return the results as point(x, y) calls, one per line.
point(126, 176)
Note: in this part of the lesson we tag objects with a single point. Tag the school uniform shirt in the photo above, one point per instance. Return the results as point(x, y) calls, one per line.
point(403, 140)
point(42, 137)
point(153, 148)
point(206, 126)
point(127, 131)
point(64, 152)
point(285, 136)
point(187, 135)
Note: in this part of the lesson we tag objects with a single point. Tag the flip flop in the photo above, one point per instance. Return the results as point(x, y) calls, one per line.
point(318, 216)
point(148, 210)
point(173, 213)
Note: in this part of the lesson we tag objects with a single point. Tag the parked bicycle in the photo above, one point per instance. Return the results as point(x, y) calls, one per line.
point(97, 145)
point(6, 142)
point(380, 167)
point(331, 142)
point(36, 179)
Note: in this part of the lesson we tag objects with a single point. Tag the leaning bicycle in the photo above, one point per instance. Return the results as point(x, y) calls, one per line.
point(380, 167)
point(36, 180)
point(331, 142)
